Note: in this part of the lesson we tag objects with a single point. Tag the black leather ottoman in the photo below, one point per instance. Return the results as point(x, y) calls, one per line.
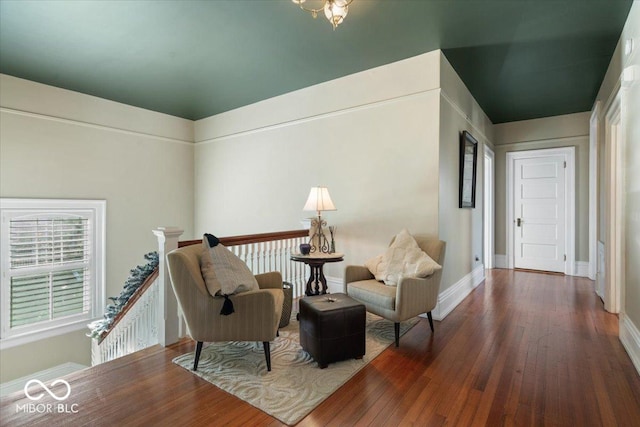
point(332, 328)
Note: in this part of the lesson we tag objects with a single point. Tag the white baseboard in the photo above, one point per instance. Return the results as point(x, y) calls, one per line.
point(450, 298)
point(630, 338)
point(600, 271)
point(44, 376)
point(335, 284)
point(447, 300)
point(581, 269)
point(501, 261)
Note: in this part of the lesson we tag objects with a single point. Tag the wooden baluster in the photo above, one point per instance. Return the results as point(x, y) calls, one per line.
point(250, 254)
point(281, 255)
point(256, 256)
point(291, 266)
point(241, 252)
point(262, 256)
point(274, 265)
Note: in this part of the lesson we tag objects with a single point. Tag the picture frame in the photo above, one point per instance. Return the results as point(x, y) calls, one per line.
point(468, 170)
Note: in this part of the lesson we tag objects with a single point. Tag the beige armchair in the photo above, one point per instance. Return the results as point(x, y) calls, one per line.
point(256, 316)
point(411, 297)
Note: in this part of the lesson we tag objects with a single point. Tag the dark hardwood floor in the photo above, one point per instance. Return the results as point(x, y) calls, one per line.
point(523, 349)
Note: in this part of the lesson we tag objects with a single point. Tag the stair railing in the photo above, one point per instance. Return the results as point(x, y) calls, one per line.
point(152, 316)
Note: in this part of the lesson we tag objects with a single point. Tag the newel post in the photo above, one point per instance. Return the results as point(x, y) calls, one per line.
point(168, 320)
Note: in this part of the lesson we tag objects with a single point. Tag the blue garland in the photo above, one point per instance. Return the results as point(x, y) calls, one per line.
point(136, 278)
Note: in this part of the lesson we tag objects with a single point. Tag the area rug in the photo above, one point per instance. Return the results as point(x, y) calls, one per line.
point(295, 385)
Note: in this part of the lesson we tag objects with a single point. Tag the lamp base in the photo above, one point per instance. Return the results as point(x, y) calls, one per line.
point(318, 240)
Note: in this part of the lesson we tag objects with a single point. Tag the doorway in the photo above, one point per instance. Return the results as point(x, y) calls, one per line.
point(489, 211)
point(541, 210)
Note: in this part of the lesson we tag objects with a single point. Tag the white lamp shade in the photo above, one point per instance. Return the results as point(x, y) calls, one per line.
point(319, 200)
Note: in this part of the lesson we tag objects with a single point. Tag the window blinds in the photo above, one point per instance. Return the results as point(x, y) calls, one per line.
point(49, 268)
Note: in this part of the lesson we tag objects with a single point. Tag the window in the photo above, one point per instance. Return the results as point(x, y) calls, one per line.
point(52, 261)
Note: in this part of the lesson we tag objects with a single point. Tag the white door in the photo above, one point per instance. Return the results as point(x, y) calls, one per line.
point(539, 213)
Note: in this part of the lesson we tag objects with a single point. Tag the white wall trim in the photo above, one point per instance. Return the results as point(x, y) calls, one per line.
point(501, 261)
point(314, 117)
point(340, 111)
point(334, 284)
point(600, 273)
point(614, 204)
point(489, 215)
point(570, 186)
point(581, 269)
point(452, 296)
point(388, 81)
point(76, 326)
point(568, 140)
point(630, 338)
point(50, 101)
point(45, 375)
point(92, 125)
point(594, 129)
point(476, 130)
point(613, 94)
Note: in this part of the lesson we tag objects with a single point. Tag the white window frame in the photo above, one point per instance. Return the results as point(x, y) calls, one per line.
point(93, 209)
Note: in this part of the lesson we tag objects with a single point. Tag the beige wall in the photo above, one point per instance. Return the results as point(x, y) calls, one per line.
point(462, 229)
point(630, 90)
point(371, 138)
point(385, 142)
point(571, 130)
point(60, 144)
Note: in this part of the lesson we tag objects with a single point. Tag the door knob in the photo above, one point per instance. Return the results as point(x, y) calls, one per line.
point(519, 222)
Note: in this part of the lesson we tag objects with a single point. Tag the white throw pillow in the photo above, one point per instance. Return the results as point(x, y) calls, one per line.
point(223, 272)
point(403, 258)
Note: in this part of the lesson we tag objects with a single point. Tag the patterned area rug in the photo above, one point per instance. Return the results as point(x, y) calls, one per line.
point(295, 385)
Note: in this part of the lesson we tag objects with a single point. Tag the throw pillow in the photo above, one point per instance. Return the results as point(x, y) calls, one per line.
point(403, 258)
point(223, 272)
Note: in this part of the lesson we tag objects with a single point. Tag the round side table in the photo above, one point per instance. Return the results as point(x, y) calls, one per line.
point(316, 263)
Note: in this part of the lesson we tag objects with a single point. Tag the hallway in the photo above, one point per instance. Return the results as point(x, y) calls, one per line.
point(523, 349)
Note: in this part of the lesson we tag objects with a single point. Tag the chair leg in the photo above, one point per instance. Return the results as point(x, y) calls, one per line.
point(430, 320)
point(267, 354)
point(198, 350)
point(396, 328)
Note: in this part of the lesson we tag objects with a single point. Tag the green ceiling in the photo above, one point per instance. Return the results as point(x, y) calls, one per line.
point(520, 59)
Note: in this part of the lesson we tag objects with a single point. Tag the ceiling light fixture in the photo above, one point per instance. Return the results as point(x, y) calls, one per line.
point(334, 10)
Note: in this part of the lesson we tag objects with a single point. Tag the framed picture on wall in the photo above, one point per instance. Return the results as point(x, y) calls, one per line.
point(468, 166)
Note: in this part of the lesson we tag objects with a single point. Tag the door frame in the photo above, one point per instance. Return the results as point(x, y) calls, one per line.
point(489, 224)
point(614, 206)
point(594, 134)
point(570, 203)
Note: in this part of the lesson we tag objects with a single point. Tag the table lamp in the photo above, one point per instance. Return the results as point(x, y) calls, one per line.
point(318, 201)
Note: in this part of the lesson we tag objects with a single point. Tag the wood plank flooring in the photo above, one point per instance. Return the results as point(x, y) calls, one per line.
point(524, 349)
